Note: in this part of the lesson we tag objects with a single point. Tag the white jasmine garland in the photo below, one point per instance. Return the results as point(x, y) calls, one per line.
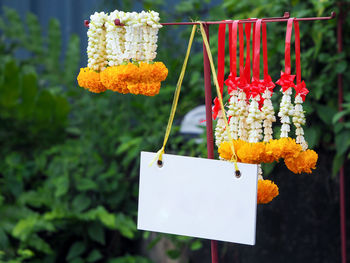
point(150, 34)
point(133, 36)
point(268, 115)
point(286, 110)
point(243, 114)
point(233, 114)
point(254, 120)
point(260, 172)
point(220, 130)
point(298, 121)
point(97, 56)
point(115, 39)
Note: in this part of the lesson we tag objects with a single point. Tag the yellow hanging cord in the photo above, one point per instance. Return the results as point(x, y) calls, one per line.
point(206, 43)
point(159, 154)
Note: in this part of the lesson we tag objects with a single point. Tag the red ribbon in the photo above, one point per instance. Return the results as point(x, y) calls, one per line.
point(221, 67)
point(232, 80)
point(216, 108)
point(268, 83)
point(247, 60)
point(221, 56)
point(286, 80)
point(300, 88)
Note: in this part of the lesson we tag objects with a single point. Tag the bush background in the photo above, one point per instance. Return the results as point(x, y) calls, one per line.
point(69, 166)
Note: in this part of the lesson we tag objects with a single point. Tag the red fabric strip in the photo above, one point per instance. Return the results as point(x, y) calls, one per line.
point(264, 44)
point(256, 51)
point(221, 56)
point(241, 50)
point(247, 68)
point(230, 44)
point(233, 48)
point(297, 51)
point(287, 46)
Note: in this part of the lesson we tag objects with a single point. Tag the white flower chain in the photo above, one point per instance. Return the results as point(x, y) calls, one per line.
point(268, 115)
point(260, 172)
point(97, 56)
point(298, 121)
point(233, 112)
point(254, 120)
point(243, 114)
point(286, 110)
point(220, 131)
point(115, 39)
point(141, 35)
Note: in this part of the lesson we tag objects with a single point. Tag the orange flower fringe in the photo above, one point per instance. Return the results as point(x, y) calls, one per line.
point(303, 163)
point(267, 191)
point(112, 79)
point(142, 79)
point(90, 79)
point(296, 160)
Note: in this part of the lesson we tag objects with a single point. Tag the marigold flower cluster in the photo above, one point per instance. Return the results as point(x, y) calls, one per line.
point(267, 190)
point(296, 160)
point(121, 49)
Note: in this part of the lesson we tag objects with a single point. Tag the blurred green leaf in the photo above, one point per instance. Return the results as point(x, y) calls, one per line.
point(76, 250)
point(96, 233)
point(94, 256)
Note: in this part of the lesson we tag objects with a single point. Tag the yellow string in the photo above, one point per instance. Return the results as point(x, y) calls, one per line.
point(206, 43)
point(159, 154)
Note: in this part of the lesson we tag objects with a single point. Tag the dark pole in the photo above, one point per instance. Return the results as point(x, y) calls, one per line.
point(340, 22)
point(209, 124)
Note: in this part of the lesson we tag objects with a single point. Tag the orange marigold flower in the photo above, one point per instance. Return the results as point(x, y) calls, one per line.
point(110, 78)
point(145, 72)
point(303, 163)
point(251, 152)
point(159, 71)
point(225, 150)
point(151, 88)
point(267, 191)
point(90, 79)
point(273, 151)
point(289, 148)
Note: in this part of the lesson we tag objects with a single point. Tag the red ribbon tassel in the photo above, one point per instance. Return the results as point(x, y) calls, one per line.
point(300, 88)
point(268, 83)
point(221, 66)
point(221, 56)
point(286, 80)
point(233, 81)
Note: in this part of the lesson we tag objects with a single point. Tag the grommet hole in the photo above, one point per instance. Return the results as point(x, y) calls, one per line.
point(160, 163)
point(238, 174)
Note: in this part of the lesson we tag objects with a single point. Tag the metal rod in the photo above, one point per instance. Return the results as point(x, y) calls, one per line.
point(284, 18)
point(341, 172)
point(272, 19)
point(209, 125)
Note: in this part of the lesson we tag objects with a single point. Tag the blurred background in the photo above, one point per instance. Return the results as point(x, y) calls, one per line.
point(69, 158)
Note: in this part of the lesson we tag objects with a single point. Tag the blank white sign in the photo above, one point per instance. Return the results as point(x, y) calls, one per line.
point(198, 197)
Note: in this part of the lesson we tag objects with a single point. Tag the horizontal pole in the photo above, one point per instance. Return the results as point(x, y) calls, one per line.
point(243, 21)
point(284, 18)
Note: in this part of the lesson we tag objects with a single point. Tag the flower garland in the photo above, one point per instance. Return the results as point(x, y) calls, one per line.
point(243, 114)
point(295, 158)
point(254, 119)
point(286, 106)
point(115, 39)
point(97, 56)
point(126, 42)
point(268, 113)
point(220, 128)
point(267, 190)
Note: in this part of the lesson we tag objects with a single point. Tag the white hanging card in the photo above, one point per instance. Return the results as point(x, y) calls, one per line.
point(198, 197)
